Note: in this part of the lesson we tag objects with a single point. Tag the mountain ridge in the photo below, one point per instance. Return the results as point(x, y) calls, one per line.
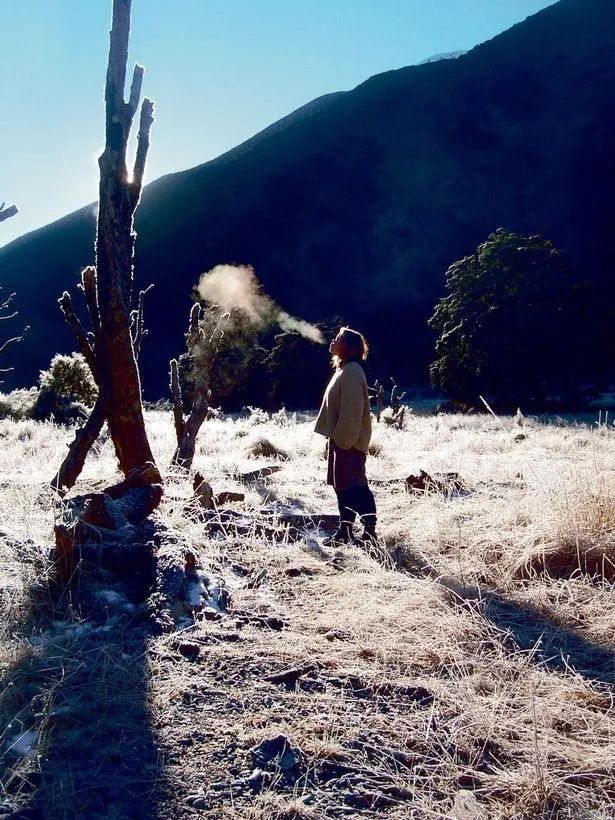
point(357, 206)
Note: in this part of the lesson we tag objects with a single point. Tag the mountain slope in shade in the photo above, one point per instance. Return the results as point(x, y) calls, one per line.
point(357, 203)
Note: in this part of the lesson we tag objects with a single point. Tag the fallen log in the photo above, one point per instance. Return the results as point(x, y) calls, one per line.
point(263, 621)
point(446, 483)
point(145, 476)
point(205, 494)
point(258, 475)
point(269, 525)
point(228, 497)
point(290, 676)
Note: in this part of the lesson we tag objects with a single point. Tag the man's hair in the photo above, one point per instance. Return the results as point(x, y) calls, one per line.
point(354, 345)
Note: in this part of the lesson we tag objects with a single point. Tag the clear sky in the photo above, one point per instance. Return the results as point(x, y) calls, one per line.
point(218, 71)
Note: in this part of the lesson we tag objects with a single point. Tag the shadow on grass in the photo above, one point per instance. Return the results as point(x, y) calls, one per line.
point(547, 642)
point(80, 743)
point(526, 628)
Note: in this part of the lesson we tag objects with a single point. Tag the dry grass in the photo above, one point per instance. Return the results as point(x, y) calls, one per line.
point(459, 656)
point(264, 448)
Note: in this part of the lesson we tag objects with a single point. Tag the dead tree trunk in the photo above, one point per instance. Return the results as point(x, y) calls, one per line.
point(202, 348)
point(118, 199)
point(111, 349)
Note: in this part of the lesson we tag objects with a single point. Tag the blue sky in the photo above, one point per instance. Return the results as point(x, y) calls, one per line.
point(218, 71)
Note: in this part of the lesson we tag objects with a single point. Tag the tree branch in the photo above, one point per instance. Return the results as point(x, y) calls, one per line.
point(72, 320)
point(139, 331)
point(135, 93)
point(7, 213)
point(5, 305)
point(178, 409)
point(88, 286)
point(145, 124)
point(11, 341)
point(116, 75)
point(77, 451)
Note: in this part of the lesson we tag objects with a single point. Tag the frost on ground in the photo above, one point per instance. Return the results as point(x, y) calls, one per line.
point(464, 669)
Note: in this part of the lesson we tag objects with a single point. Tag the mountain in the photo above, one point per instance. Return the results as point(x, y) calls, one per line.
point(356, 204)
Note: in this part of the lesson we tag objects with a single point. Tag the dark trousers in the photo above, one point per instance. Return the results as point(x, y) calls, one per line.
point(357, 501)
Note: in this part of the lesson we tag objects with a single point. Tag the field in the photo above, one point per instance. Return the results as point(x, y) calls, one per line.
point(463, 669)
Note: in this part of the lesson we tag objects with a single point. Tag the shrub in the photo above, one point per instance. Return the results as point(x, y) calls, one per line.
point(67, 389)
point(18, 404)
point(69, 377)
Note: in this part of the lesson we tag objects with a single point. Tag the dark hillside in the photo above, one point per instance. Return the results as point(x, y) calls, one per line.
point(357, 204)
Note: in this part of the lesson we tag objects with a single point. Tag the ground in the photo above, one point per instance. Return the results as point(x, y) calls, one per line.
point(464, 668)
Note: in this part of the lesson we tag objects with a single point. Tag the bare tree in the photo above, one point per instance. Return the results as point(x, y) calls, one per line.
point(5, 307)
point(205, 331)
point(112, 347)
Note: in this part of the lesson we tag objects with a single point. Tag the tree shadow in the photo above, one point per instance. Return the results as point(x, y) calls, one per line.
point(524, 627)
point(81, 741)
point(547, 642)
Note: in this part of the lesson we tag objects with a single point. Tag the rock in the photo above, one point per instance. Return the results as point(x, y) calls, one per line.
point(294, 571)
point(211, 614)
point(256, 781)
point(277, 750)
point(467, 807)
point(189, 650)
point(520, 436)
point(338, 635)
point(200, 803)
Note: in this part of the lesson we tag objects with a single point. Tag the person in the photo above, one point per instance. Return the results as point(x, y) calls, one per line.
point(345, 420)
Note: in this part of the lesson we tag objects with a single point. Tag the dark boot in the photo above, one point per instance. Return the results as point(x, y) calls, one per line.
point(343, 534)
point(369, 537)
point(362, 500)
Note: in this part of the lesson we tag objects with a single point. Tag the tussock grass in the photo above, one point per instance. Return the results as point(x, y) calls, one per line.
point(450, 658)
point(265, 448)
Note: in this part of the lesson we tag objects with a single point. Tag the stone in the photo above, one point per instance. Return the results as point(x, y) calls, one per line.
point(276, 750)
point(467, 807)
point(338, 635)
point(189, 650)
point(256, 781)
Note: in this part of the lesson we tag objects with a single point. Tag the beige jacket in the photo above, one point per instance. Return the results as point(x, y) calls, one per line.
point(345, 415)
